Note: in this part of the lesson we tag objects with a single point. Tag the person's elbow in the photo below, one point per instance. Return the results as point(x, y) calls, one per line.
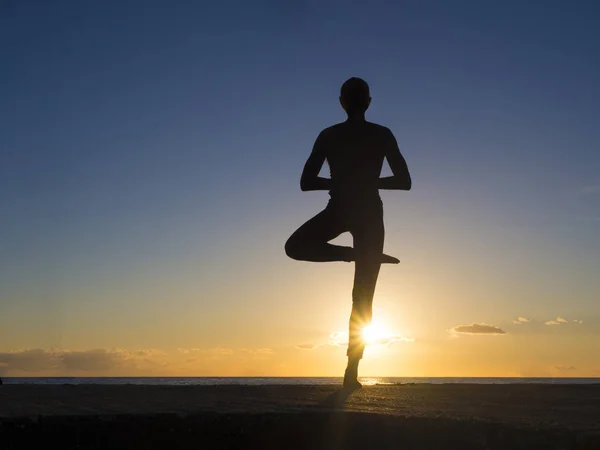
point(403, 183)
point(304, 184)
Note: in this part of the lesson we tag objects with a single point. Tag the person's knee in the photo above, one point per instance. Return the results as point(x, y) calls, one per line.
point(293, 248)
point(362, 294)
point(362, 310)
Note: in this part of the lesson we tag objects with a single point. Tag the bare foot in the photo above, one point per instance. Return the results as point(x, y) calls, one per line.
point(352, 385)
point(387, 259)
point(351, 382)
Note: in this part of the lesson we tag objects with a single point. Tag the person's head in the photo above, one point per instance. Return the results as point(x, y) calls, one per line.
point(354, 96)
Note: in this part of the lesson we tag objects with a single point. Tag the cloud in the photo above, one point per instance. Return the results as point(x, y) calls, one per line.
point(577, 321)
point(219, 355)
point(565, 368)
point(477, 328)
point(521, 320)
point(557, 321)
point(340, 339)
point(32, 360)
point(307, 346)
point(257, 351)
point(123, 362)
point(390, 340)
point(217, 351)
point(149, 352)
point(95, 360)
point(43, 360)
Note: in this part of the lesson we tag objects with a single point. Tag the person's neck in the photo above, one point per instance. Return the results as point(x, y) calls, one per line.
point(356, 117)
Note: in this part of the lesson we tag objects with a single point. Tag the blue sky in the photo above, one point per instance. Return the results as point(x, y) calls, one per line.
point(153, 145)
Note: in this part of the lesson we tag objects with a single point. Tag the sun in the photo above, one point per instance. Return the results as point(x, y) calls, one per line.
point(374, 333)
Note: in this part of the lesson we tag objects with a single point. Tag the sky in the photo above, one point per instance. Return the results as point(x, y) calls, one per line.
point(150, 158)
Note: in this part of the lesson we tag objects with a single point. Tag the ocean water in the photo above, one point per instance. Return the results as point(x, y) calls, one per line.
point(258, 381)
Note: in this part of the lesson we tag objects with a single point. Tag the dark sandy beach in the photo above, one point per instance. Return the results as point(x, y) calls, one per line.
point(301, 417)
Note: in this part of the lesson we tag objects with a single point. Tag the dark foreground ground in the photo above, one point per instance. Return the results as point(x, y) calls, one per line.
point(300, 417)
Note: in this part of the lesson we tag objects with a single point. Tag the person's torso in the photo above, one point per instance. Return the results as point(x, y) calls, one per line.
point(355, 152)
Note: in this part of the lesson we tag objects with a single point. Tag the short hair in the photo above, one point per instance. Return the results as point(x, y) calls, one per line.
point(355, 95)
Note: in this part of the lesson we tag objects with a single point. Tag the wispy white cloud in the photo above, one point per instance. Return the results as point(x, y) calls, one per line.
point(257, 351)
point(478, 328)
point(390, 340)
point(521, 320)
point(565, 368)
point(557, 321)
point(217, 351)
point(307, 346)
point(340, 339)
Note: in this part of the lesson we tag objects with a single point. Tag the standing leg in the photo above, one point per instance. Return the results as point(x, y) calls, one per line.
point(368, 245)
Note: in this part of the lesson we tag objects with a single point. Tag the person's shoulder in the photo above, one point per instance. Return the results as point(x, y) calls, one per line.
point(331, 131)
point(379, 128)
point(333, 128)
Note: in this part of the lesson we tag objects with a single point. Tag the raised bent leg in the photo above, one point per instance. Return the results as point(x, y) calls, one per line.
point(310, 242)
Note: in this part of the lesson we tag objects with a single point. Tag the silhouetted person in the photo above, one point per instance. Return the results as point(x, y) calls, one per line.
point(354, 150)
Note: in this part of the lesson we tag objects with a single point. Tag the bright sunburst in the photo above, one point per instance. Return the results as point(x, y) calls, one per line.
point(374, 334)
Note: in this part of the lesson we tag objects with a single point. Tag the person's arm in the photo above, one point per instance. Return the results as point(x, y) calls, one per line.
point(310, 179)
point(401, 179)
